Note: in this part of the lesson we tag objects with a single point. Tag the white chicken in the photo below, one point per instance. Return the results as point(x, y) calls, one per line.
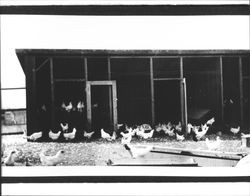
point(70, 136)
point(189, 128)
point(235, 130)
point(64, 127)
point(179, 137)
point(213, 145)
point(88, 134)
point(80, 106)
point(69, 107)
point(33, 137)
point(158, 128)
point(107, 136)
point(137, 152)
point(127, 139)
point(210, 121)
point(10, 159)
point(54, 136)
point(202, 133)
point(52, 160)
point(178, 127)
point(244, 162)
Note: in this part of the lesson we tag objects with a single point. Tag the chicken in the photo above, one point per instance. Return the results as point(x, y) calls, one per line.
point(88, 134)
point(70, 136)
point(202, 133)
point(33, 137)
point(210, 122)
point(244, 162)
point(52, 160)
point(107, 136)
point(54, 136)
point(189, 128)
point(69, 107)
point(137, 152)
point(158, 128)
point(127, 139)
point(10, 159)
point(64, 127)
point(80, 106)
point(126, 135)
point(235, 130)
point(179, 137)
point(147, 135)
point(213, 145)
point(178, 127)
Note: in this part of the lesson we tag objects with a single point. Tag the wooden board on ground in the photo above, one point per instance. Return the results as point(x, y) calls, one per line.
point(170, 162)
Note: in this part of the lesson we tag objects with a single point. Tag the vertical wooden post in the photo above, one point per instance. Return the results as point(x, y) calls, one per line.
point(182, 95)
point(85, 120)
point(111, 98)
point(241, 91)
point(221, 90)
point(115, 120)
point(52, 94)
point(185, 103)
point(152, 92)
point(88, 101)
point(30, 94)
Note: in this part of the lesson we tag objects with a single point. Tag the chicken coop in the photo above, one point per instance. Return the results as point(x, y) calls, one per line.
point(136, 87)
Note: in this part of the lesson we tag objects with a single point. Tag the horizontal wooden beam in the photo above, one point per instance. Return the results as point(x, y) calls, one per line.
point(241, 9)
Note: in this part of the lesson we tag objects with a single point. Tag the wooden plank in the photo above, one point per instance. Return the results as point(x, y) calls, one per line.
point(182, 99)
point(152, 92)
point(53, 110)
point(200, 153)
point(114, 98)
point(69, 80)
point(30, 96)
point(88, 101)
point(42, 64)
point(164, 79)
point(156, 162)
point(86, 69)
point(102, 82)
point(185, 103)
point(221, 90)
point(241, 91)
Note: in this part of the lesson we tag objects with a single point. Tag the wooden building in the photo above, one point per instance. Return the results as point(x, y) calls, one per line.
point(139, 86)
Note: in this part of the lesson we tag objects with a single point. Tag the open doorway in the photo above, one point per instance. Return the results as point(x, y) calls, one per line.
point(101, 105)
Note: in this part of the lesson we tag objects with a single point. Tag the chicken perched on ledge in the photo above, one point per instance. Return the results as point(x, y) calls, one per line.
point(52, 160)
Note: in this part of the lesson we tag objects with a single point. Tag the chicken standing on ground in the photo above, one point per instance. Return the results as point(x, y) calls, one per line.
point(137, 152)
point(107, 136)
point(10, 159)
point(70, 136)
point(52, 160)
point(33, 137)
point(179, 137)
point(88, 134)
point(235, 130)
point(54, 136)
point(213, 145)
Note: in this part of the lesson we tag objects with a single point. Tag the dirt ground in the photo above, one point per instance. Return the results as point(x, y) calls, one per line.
point(98, 152)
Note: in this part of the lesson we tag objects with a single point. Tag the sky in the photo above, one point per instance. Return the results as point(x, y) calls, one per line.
point(111, 32)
